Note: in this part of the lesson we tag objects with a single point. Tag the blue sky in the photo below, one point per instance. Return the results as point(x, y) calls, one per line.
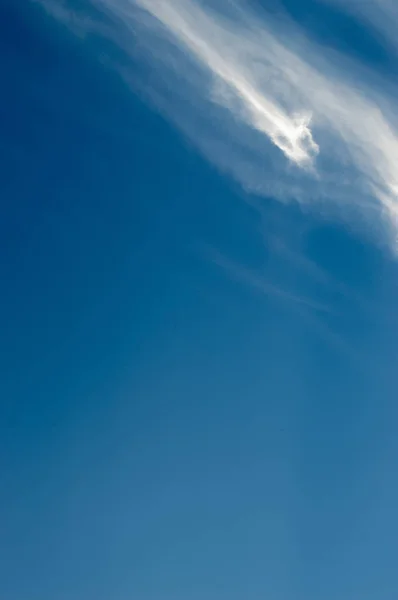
point(198, 311)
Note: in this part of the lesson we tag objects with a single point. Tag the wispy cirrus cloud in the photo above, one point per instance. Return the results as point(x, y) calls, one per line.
point(282, 115)
point(267, 105)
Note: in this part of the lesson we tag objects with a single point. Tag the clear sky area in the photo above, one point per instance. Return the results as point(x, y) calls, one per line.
point(198, 307)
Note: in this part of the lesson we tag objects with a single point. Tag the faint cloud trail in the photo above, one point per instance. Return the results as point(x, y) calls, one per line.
point(380, 15)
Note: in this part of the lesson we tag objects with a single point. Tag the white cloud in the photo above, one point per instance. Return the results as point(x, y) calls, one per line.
point(282, 115)
point(213, 46)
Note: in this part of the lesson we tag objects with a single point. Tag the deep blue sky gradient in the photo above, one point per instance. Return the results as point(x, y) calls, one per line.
point(167, 430)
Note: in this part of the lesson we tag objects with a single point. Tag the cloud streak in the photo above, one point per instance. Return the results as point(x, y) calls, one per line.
point(266, 104)
point(283, 116)
point(188, 23)
point(263, 82)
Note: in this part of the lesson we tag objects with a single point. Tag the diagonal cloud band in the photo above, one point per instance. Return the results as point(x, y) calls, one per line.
point(284, 116)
